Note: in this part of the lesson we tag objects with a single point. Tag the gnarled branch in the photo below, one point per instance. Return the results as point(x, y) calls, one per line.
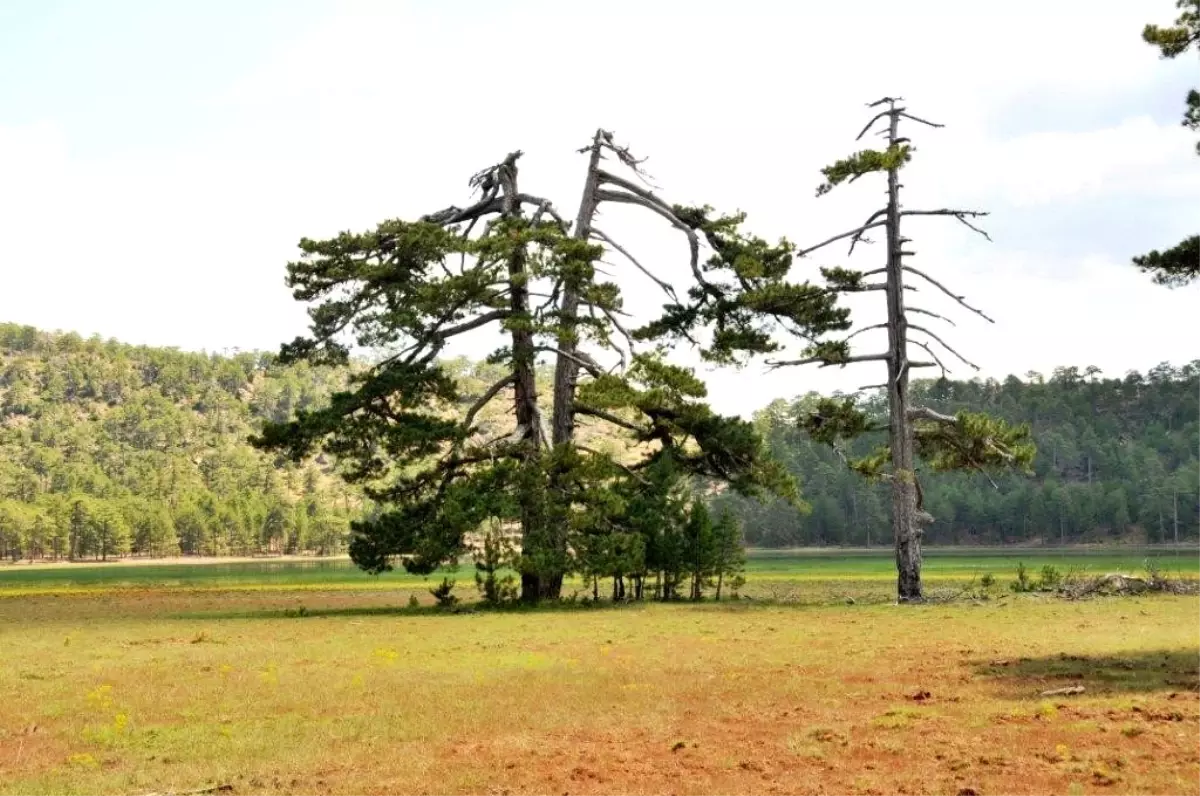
point(488, 395)
point(670, 291)
point(648, 200)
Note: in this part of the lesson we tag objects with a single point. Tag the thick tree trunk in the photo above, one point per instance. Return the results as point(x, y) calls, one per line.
point(533, 522)
point(566, 370)
point(548, 585)
point(906, 529)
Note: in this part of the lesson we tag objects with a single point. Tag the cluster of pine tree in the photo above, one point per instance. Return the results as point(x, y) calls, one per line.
point(1116, 461)
point(109, 449)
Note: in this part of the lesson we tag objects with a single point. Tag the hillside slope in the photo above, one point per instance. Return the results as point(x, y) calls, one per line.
point(108, 448)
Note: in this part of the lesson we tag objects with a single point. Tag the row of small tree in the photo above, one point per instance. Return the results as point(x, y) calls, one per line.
point(79, 526)
point(510, 267)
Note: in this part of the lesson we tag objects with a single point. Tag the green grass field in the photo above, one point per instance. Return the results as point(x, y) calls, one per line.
point(766, 568)
point(135, 679)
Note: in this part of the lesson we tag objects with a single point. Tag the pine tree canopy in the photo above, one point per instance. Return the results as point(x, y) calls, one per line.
point(1178, 265)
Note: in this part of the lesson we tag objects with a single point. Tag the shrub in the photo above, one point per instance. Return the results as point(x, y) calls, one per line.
point(1051, 578)
point(1022, 583)
point(442, 594)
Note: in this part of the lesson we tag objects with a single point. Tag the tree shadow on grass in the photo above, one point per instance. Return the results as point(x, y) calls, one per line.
point(469, 609)
point(465, 611)
point(1136, 672)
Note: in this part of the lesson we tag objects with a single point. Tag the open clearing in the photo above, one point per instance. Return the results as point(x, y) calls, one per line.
point(142, 687)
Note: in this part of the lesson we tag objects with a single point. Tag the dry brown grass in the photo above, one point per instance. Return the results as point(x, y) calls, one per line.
point(157, 691)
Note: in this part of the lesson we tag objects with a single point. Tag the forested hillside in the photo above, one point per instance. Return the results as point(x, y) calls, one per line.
point(108, 449)
point(1117, 460)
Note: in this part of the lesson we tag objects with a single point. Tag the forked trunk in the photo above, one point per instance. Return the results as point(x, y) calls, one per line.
point(548, 585)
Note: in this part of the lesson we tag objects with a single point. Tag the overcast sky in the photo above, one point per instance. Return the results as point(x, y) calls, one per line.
point(160, 161)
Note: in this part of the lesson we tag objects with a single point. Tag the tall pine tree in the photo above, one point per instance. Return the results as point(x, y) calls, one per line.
point(755, 305)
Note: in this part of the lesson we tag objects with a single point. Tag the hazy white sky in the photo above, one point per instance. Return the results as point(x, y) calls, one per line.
point(159, 161)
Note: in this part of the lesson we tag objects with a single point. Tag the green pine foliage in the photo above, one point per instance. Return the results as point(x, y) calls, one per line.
point(399, 429)
point(108, 450)
point(1180, 264)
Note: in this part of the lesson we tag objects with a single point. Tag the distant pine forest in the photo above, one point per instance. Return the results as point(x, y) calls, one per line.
point(109, 450)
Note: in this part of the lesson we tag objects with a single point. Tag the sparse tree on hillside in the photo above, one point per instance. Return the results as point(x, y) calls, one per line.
point(1179, 265)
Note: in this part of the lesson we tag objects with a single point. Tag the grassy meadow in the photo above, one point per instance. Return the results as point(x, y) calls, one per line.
point(315, 678)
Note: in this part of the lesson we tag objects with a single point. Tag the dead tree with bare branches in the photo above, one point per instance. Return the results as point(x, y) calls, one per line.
point(965, 441)
point(756, 306)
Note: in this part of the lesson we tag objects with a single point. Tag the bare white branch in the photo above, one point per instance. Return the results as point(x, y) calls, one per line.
point(907, 115)
point(857, 332)
point(960, 299)
point(670, 291)
point(944, 345)
point(859, 237)
point(932, 315)
point(836, 238)
point(655, 204)
point(580, 358)
point(936, 359)
point(961, 215)
point(773, 364)
point(869, 124)
point(925, 413)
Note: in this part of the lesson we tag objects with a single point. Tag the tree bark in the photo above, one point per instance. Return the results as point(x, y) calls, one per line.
point(906, 528)
point(566, 369)
point(548, 585)
point(533, 523)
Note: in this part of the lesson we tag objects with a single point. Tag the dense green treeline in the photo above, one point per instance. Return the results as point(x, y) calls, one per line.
point(1117, 460)
point(108, 449)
